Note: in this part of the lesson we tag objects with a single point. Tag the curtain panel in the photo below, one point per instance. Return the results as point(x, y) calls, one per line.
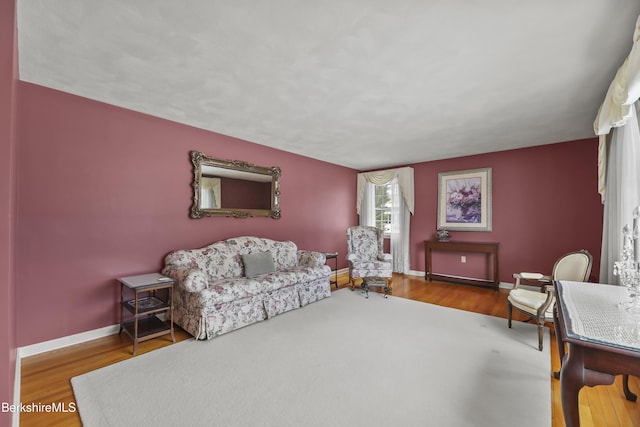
point(623, 193)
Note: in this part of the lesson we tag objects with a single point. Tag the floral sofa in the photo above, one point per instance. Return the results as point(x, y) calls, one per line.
point(213, 294)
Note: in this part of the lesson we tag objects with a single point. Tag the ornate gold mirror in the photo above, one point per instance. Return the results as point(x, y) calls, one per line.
point(233, 188)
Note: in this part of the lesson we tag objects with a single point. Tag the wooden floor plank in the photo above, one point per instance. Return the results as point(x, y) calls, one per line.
point(45, 378)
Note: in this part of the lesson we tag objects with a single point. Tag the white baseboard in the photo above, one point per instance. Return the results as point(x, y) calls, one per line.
point(502, 285)
point(415, 273)
point(43, 347)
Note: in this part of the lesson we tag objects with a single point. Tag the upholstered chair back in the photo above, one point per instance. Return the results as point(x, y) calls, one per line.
point(365, 242)
point(575, 266)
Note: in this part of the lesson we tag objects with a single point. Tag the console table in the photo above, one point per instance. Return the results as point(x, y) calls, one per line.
point(488, 248)
point(603, 340)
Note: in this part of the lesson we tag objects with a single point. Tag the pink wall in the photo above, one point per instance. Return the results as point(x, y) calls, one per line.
point(105, 192)
point(8, 86)
point(545, 204)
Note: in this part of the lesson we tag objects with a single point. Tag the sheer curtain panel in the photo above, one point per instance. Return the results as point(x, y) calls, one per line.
point(622, 192)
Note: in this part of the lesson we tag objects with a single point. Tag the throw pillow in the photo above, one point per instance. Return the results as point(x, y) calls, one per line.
point(258, 263)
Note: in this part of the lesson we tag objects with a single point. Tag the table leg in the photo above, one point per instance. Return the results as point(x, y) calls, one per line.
point(574, 376)
point(627, 392)
point(570, 385)
point(557, 328)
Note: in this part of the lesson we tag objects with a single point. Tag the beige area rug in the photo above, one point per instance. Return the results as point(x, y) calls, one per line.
point(343, 361)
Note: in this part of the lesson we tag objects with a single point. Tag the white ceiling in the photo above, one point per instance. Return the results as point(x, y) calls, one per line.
point(361, 83)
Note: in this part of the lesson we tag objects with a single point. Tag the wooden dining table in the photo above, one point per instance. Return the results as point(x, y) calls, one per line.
point(602, 337)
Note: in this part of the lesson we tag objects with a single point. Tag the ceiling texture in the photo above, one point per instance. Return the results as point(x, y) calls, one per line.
point(365, 84)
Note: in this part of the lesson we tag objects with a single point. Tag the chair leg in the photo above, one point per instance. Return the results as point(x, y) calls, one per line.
point(509, 312)
point(540, 335)
point(387, 287)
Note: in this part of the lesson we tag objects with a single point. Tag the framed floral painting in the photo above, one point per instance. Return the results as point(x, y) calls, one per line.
point(464, 200)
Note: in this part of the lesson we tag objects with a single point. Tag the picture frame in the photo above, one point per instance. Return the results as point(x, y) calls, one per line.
point(464, 200)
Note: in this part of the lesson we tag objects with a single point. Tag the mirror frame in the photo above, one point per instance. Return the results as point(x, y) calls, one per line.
point(199, 159)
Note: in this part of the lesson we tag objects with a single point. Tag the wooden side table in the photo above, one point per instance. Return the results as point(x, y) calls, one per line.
point(152, 296)
point(334, 257)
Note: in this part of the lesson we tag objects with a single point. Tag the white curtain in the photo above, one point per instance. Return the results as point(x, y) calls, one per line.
point(368, 205)
point(400, 221)
point(207, 198)
point(618, 159)
point(622, 192)
point(403, 202)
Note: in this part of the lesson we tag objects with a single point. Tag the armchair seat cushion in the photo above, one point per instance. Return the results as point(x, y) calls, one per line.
point(529, 301)
point(371, 268)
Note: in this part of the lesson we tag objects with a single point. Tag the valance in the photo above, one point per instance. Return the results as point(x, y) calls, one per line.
point(618, 106)
point(405, 181)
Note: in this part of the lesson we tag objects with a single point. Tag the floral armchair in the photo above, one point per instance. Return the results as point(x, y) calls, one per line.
point(365, 254)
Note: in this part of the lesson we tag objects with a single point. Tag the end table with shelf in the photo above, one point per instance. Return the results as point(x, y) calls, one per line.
point(142, 299)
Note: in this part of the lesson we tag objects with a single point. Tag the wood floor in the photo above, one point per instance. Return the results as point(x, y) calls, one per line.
point(45, 377)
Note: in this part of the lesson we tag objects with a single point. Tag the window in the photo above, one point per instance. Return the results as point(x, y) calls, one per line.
point(383, 205)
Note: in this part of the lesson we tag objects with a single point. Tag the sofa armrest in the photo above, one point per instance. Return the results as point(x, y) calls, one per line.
point(311, 258)
point(188, 279)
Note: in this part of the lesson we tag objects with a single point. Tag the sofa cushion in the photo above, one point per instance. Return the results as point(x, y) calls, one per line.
point(303, 274)
point(258, 263)
point(225, 290)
